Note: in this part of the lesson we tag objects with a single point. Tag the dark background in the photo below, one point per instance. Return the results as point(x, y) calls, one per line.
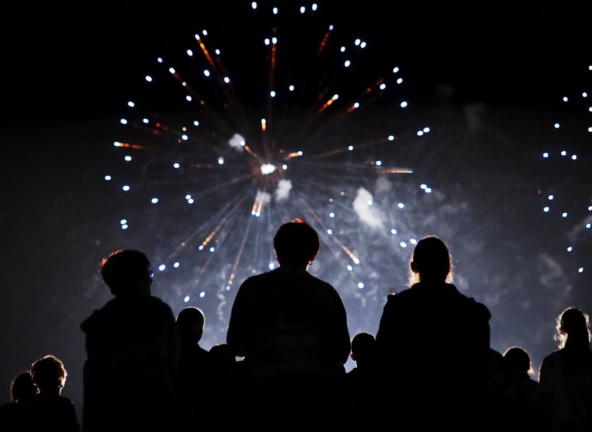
point(67, 69)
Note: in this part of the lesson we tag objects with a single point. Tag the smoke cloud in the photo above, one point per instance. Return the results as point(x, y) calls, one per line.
point(367, 212)
point(237, 142)
point(283, 190)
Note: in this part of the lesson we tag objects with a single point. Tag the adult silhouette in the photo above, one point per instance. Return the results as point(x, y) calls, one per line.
point(132, 349)
point(433, 344)
point(566, 375)
point(50, 411)
point(291, 327)
point(16, 415)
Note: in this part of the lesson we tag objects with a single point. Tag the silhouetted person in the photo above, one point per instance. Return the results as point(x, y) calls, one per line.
point(193, 368)
point(16, 415)
point(292, 330)
point(433, 344)
point(49, 410)
point(566, 375)
point(360, 382)
point(132, 347)
point(522, 397)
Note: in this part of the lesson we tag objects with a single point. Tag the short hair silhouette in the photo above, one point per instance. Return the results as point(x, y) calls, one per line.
point(517, 362)
point(431, 261)
point(222, 355)
point(22, 387)
point(575, 325)
point(296, 243)
point(48, 373)
point(122, 269)
point(363, 347)
point(190, 323)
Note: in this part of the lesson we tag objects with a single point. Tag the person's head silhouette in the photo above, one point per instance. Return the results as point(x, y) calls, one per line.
point(363, 349)
point(49, 375)
point(190, 324)
point(296, 244)
point(517, 363)
point(573, 329)
point(127, 273)
point(431, 262)
point(22, 388)
point(221, 356)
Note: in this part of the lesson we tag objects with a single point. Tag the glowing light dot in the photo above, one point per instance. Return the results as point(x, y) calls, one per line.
point(189, 53)
point(350, 148)
point(206, 72)
point(291, 88)
point(190, 201)
point(331, 27)
point(546, 209)
point(428, 190)
point(274, 41)
point(363, 45)
point(314, 6)
point(161, 267)
point(590, 129)
point(545, 155)
point(423, 186)
point(302, 9)
point(403, 244)
point(202, 294)
point(350, 268)
point(128, 158)
point(200, 247)
point(382, 86)
point(565, 99)
point(393, 231)
point(581, 270)
point(254, 5)
point(107, 178)
point(285, 167)
point(563, 153)
point(574, 157)
point(401, 205)
point(403, 104)
point(347, 63)
point(148, 78)
point(176, 165)
point(196, 123)
point(221, 161)
point(123, 221)
point(189, 99)
point(130, 103)
point(413, 241)
point(588, 226)
point(584, 94)
point(564, 215)
point(154, 200)
point(188, 197)
point(590, 208)
point(332, 215)
point(357, 261)
point(357, 42)
point(212, 249)
point(275, 11)
point(271, 266)
point(226, 80)
point(299, 153)
point(186, 299)
point(184, 137)
point(205, 32)
point(370, 203)
point(551, 197)
point(342, 49)
point(419, 133)
point(395, 70)
point(391, 137)
point(146, 121)
point(272, 94)
point(357, 105)
point(329, 232)
point(569, 249)
point(171, 70)
point(361, 285)
point(123, 121)
point(556, 125)
point(426, 130)
point(266, 41)
point(124, 227)
point(378, 163)
point(126, 188)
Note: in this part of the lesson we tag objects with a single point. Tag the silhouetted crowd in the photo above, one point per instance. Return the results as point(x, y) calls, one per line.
point(430, 366)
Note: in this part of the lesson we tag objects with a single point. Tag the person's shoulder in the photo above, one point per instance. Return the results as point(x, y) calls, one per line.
point(552, 358)
point(97, 317)
point(479, 310)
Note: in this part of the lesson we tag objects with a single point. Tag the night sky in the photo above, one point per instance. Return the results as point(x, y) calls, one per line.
point(67, 70)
